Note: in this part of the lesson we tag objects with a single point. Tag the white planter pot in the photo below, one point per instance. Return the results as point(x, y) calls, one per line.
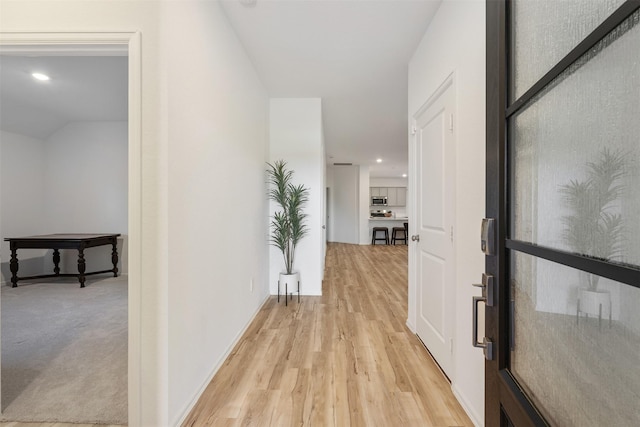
point(595, 303)
point(288, 284)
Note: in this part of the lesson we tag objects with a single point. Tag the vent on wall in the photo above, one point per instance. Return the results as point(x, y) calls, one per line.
point(343, 164)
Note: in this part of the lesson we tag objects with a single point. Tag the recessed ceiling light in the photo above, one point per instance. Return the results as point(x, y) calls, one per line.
point(404, 175)
point(379, 160)
point(40, 76)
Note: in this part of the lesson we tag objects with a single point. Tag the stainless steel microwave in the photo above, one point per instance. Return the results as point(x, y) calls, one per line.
point(378, 201)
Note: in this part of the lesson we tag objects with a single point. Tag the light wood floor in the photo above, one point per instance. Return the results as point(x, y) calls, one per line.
point(343, 359)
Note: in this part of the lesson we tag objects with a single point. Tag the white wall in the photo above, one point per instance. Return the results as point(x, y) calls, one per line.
point(388, 182)
point(22, 182)
point(86, 178)
point(345, 204)
point(364, 209)
point(73, 182)
point(148, 361)
point(85, 188)
point(455, 42)
point(217, 134)
point(203, 123)
point(349, 208)
point(295, 136)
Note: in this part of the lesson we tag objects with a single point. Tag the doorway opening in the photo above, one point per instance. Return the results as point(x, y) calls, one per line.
point(114, 148)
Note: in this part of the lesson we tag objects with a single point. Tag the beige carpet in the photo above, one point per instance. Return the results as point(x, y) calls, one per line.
point(64, 351)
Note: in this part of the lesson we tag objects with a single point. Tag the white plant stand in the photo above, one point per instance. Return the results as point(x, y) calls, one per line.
point(596, 303)
point(289, 281)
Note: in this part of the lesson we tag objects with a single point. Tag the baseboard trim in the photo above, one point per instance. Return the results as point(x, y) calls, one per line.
point(411, 326)
point(183, 416)
point(473, 415)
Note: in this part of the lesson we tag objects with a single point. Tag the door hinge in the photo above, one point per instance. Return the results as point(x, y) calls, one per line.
point(413, 130)
point(452, 233)
point(451, 122)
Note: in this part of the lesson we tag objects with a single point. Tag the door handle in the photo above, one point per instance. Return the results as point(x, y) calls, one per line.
point(488, 298)
point(486, 345)
point(487, 289)
point(415, 237)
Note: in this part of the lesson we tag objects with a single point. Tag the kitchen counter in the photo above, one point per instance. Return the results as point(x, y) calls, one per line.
point(385, 222)
point(384, 218)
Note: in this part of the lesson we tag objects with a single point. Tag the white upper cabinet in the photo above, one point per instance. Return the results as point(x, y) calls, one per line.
point(391, 196)
point(401, 196)
point(396, 196)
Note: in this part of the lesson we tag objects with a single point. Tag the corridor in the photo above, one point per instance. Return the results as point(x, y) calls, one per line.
point(343, 359)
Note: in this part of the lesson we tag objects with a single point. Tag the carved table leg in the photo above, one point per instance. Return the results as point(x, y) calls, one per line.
point(56, 262)
point(81, 266)
point(114, 257)
point(13, 266)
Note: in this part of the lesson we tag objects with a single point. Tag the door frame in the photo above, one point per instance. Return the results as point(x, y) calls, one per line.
point(501, 389)
point(97, 44)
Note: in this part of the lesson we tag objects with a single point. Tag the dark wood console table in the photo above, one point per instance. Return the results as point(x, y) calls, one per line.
point(62, 241)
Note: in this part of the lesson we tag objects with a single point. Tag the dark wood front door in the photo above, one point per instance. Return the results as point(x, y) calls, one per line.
point(563, 188)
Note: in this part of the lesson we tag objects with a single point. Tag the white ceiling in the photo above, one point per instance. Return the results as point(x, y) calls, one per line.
point(353, 54)
point(82, 88)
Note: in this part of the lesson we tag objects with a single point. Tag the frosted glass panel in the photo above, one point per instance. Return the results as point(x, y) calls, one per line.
point(544, 31)
point(575, 174)
point(576, 352)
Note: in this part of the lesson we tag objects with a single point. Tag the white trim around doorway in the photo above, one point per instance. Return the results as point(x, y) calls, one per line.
point(109, 44)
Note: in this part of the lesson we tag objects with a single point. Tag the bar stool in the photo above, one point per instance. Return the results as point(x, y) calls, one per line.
point(395, 235)
point(375, 238)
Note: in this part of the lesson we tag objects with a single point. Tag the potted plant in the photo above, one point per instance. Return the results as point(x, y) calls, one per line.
point(288, 222)
point(591, 228)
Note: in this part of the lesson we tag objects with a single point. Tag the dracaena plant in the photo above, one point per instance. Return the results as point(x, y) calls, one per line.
point(591, 228)
point(288, 222)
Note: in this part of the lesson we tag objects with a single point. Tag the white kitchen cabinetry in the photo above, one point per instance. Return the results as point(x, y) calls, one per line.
point(396, 196)
point(392, 200)
point(401, 197)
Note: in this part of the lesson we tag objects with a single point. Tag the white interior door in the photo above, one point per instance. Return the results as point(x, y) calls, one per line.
point(435, 275)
